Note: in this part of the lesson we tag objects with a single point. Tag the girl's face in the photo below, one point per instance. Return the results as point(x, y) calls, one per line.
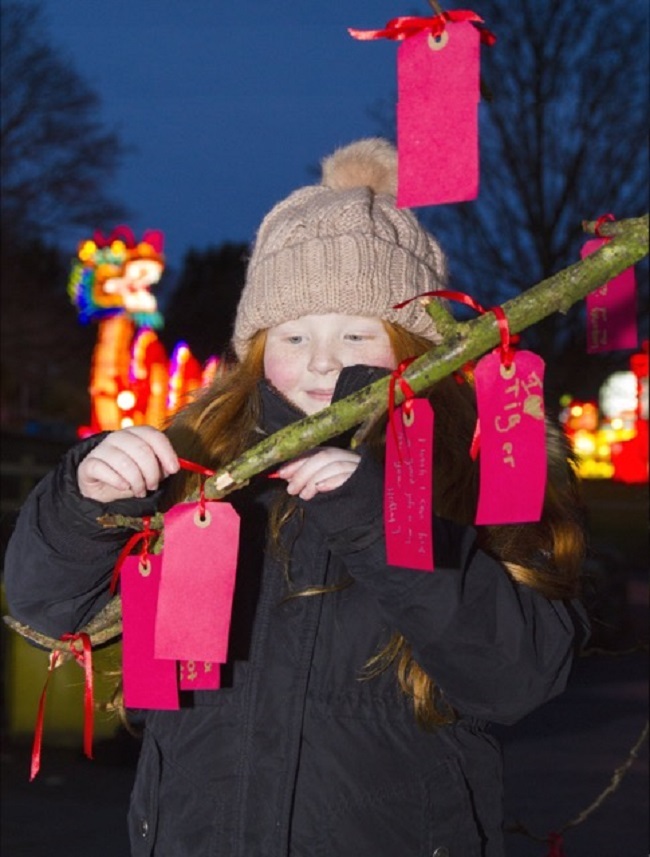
point(303, 358)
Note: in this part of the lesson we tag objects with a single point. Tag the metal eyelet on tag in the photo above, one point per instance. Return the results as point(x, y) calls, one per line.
point(144, 567)
point(202, 520)
point(507, 372)
point(408, 418)
point(437, 43)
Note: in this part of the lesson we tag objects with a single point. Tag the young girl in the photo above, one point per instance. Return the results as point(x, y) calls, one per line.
point(353, 715)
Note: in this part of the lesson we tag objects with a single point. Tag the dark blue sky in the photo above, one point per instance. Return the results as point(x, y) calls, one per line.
point(227, 104)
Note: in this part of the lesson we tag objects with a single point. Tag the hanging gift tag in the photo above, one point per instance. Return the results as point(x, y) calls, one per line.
point(148, 682)
point(437, 116)
point(408, 491)
point(199, 675)
point(513, 438)
point(611, 310)
point(197, 582)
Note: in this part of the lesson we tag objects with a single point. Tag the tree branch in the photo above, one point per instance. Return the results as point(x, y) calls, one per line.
point(103, 628)
point(464, 341)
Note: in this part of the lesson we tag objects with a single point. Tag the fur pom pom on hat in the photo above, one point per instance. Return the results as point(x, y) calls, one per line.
point(342, 247)
point(366, 163)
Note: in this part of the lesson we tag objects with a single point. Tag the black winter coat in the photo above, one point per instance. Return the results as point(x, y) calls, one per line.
point(295, 754)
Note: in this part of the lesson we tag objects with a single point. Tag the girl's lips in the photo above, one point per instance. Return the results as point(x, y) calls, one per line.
point(320, 394)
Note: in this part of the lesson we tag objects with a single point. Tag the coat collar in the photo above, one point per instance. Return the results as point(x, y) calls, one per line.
point(277, 412)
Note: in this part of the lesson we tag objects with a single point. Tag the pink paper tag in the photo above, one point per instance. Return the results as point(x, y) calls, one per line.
point(148, 682)
point(197, 583)
point(437, 116)
point(513, 438)
point(408, 491)
point(199, 675)
point(611, 310)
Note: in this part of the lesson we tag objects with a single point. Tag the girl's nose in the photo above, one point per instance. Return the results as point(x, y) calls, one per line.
point(323, 359)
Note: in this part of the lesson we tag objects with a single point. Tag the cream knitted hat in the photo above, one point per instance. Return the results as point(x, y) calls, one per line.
point(341, 247)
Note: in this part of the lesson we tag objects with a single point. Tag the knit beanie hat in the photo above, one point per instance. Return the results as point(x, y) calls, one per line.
point(341, 247)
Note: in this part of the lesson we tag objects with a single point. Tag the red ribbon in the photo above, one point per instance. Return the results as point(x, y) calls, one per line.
point(506, 347)
point(204, 471)
point(407, 391)
point(84, 659)
point(507, 352)
point(603, 219)
point(475, 445)
point(556, 843)
point(404, 27)
point(507, 341)
point(146, 533)
point(142, 535)
point(38, 730)
point(197, 468)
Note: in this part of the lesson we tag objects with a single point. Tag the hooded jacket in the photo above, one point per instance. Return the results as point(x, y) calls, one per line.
point(297, 754)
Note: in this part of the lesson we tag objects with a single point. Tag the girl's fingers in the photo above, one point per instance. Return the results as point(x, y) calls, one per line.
point(326, 481)
point(323, 471)
point(127, 463)
point(99, 472)
point(159, 444)
point(141, 475)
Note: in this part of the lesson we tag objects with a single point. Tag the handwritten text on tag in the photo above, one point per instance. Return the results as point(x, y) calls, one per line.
point(611, 310)
point(408, 490)
point(513, 438)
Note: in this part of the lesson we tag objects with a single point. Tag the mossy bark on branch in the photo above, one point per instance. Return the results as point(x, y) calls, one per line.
point(102, 629)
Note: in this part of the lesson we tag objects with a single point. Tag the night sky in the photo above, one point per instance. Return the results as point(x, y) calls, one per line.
point(229, 105)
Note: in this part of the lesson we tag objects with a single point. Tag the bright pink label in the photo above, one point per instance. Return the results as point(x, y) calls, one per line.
point(197, 583)
point(199, 675)
point(437, 116)
point(148, 682)
point(513, 439)
point(611, 310)
point(408, 489)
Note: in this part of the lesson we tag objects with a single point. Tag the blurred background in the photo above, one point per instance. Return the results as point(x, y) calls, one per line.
point(142, 143)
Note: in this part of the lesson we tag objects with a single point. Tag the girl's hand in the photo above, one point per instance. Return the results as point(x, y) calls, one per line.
point(127, 463)
point(325, 470)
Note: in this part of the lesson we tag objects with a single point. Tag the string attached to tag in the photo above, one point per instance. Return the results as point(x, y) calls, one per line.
point(405, 26)
point(84, 658)
point(611, 309)
point(508, 341)
point(144, 535)
point(407, 406)
point(202, 516)
point(510, 432)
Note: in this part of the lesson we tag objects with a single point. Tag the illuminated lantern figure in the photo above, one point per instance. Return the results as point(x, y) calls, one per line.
point(110, 284)
point(212, 366)
point(149, 377)
point(630, 455)
point(131, 380)
point(185, 376)
point(610, 441)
